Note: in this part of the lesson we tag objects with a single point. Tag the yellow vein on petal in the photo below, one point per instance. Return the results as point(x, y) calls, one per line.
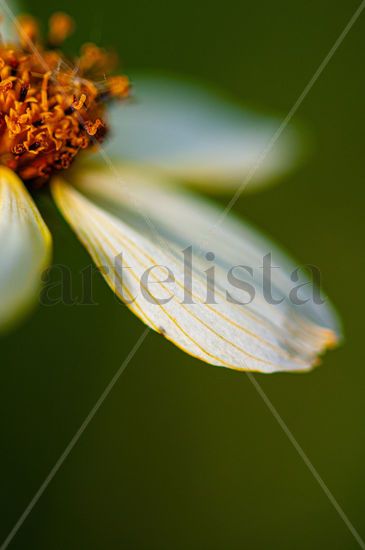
point(209, 328)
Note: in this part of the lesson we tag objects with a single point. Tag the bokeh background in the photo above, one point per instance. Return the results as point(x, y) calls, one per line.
point(183, 455)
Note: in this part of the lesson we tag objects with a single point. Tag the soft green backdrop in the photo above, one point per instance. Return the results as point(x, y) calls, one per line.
point(183, 455)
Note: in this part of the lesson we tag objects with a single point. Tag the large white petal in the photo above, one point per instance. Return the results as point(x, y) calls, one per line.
point(25, 245)
point(258, 336)
point(192, 133)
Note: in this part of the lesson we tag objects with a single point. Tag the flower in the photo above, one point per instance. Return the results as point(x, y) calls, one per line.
point(139, 226)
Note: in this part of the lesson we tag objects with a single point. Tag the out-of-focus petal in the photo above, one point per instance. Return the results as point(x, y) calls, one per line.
point(8, 30)
point(25, 246)
point(189, 132)
point(118, 228)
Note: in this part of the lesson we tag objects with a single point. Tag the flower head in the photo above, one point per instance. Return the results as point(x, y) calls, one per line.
point(138, 225)
point(52, 108)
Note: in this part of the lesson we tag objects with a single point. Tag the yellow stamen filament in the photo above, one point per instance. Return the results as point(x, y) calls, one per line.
point(93, 127)
point(80, 103)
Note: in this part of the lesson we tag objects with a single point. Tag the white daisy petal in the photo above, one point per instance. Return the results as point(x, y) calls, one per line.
point(191, 133)
point(8, 30)
point(255, 337)
point(25, 245)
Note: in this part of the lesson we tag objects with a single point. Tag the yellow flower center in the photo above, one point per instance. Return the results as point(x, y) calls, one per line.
point(51, 108)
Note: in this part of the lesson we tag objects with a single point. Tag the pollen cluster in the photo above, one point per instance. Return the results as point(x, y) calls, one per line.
point(52, 108)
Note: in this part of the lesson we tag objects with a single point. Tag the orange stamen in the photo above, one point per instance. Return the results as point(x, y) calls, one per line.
point(28, 30)
point(61, 26)
point(93, 127)
point(49, 111)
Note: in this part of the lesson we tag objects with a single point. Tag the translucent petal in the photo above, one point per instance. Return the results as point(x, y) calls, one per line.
point(7, 27)
point(25, 245)
point(189, 132)
point(257, 336)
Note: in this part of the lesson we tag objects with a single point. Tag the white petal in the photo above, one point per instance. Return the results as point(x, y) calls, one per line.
point(256, 337)
point(189, 132)
point(25, 245)
point(7, 28)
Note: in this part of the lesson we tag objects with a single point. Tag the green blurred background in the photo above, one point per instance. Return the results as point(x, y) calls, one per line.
point(183, 455)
